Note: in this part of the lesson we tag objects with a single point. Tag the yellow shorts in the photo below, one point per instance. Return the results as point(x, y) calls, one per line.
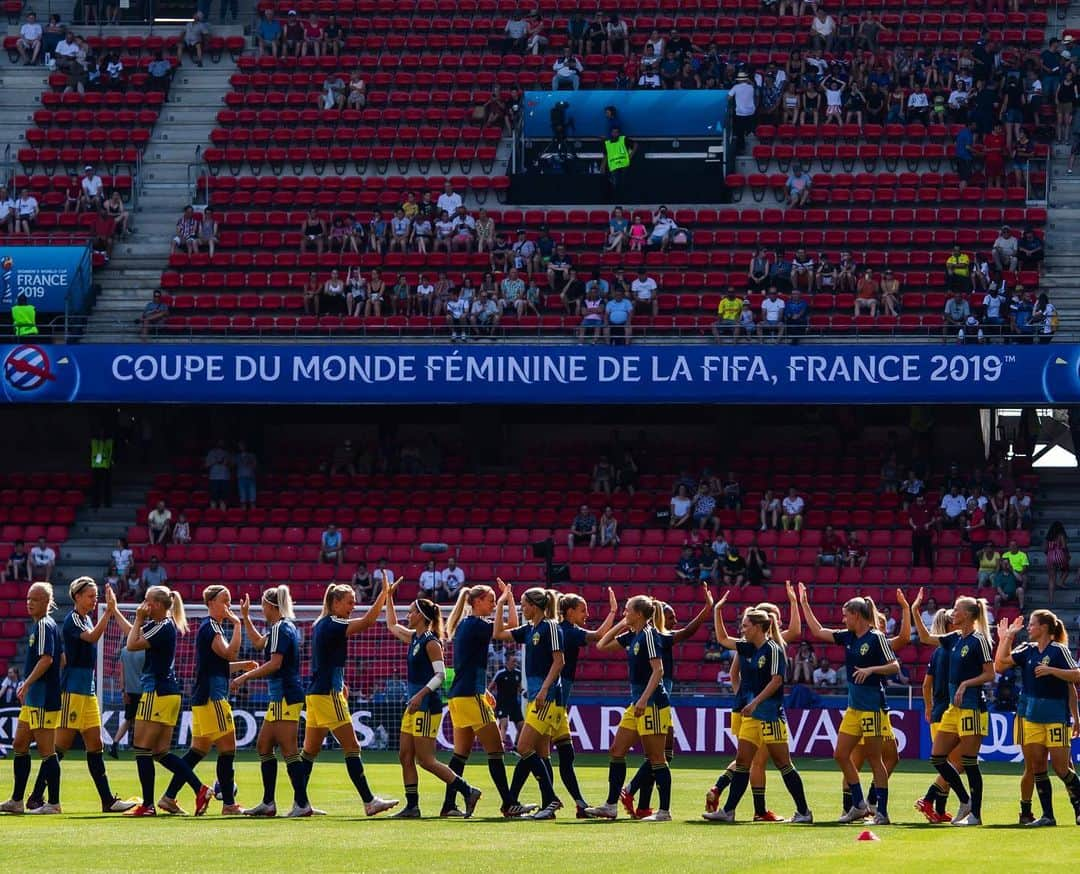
point(866, 723)
point(1047, 734)
point(933, 730)
point(544, 720)
point(562, 725)
point(474, 711)
point(283, 711)
point(736, 723)
point(158, 708)
point(38, 717)
point(966, 723)
point(886, 729)
point(1018, 730)
point(327, 711)
point(79, 712)
point(655, 720)
point(762, 733)
point(423, 723)
point(211, 720)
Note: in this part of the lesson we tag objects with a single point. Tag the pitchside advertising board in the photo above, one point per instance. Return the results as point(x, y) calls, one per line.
point(55, 279)
point(514, 374)
point(700, 728)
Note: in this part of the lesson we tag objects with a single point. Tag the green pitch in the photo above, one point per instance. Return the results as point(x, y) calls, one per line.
point(85, 840)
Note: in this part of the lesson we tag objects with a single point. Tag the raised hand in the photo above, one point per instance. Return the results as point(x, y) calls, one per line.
point(790, 590)
point(802, 592)
point(245, 606)
point(900, 598)
point(613, 602)
point(709, 602)
point(918, 600)
point(505, 589)
point(723, 599)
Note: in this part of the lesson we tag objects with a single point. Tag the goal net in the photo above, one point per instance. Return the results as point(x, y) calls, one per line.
point(375, 675)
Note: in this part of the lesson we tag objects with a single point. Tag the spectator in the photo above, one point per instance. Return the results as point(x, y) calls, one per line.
point(9, 688)
point(195, 34)
point(218, 464)
point(1057, 558)
point(825, 675)
point(160, 72)
point(331, 550)
point(1019, 515)
point(42, 562)
point(703, 509)
point(609, 528)
point(953, 509)
point(988, 561)
point(733, 568)
point(268, 35)
point(757, 563)
point(663, 225)
point(645, 292)
point(1018, 561)
point(626, 476)
point(727, 314)
point(772, 315)
point(182, 530)
point(965, 158)
point(29, 41)
point(928, 613)
point(743, 94)
point(123, 558)
point(714, 652)
point(313, 233)
point(798, 187)
point(536, 40)
point(957, 313)
point(187, 232)
point(1044, 318)
point(802, 666)
point(618, 317)
point(153, 313)
point(681, 507)
point(796, 314)
point(993, 310)
point(866, 295)
point(688, 567)
point(313, 37)
point(17, 567)
point(431, 584)
point(582, 529)
point(911, 488)
point(364, 585)
point(27, 211)
point(731, 492)
point(769, 511)
point(484, 314)
point(793, 507)
point(1021, 311)
point(568, 70)
point(921, 520)
point(153, 574)
point(452, 578)
point(158, 524)
point(7, 208)
point(832, 549)
point(382, 575)
point(343, 459)
point(618, 228)
point(516, 34)
point(1008, 585)
point(1030, 251)
point(114, 207)
point(246, 467)
point(1005, 250)
point(855, 554)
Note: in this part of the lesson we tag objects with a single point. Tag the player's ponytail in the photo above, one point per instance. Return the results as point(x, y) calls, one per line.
point(976, 609)
point(863, 607)
point(569, 602)
point(431, 612)
point(544, 600)
point(659, 619)
point(280, 598)
point(1058, 634)
point(941, 623)
point(176, 610)
point(79, 584)
point(876, 619)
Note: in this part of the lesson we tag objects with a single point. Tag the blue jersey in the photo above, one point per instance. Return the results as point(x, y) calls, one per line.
point(871, 650)
point(967, 655)
point(211, 670)
point(329, 648)
point(421, 671)
point(80, 657)
point(1046, 699)
point(641, 649)
point(471, 639)
point(574, 639)
point(769, 660)
point(938, 671)
point(667, 658)
point(541, 641)
point(158, 674)
point(44, 640)
point(746, 684)
point(285, 685)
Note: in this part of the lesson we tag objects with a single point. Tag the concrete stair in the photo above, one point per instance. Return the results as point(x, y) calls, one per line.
point(1057, 499)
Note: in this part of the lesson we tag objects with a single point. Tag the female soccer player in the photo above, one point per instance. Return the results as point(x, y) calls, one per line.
point(1048, 674)
point(935, 703)
point(544, 711)
point(574, 611)
point(327, 703)
point(664, 622)
point(39, 703)
point(211, 715)
point(158, 621)
point(869, 660)
point(79, 711)
point(965, 721)
point(281, 645)
point(763, 723)
point(423, 715)
point(648, 717)
point(742, 681)
point(470, 710)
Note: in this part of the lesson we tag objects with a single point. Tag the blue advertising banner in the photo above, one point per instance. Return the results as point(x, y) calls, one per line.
point(53, 278)
point(641, 113)
point(336, 373)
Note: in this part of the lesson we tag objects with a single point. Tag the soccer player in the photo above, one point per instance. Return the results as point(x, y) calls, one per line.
point(281, 646)
point(423, 714)
point(39, 703)
point(326, 703)
point(505, 687)
point(664, 622)
point(544, 662)
point(158, 621)
point(79, 711)
point(965, 722)
point(763, 723)
point(935, 703)
point(470, 627)
point(869, 660)
point(574, 611)
point(648, 717)
point(211, 714)
point(742, 681)
point(1049, 673)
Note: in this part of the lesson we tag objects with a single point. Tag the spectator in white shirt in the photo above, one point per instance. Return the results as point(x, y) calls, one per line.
point(92, 189)
point(7, 211)
point(772, 314)
point(823, 31)
point(663, 224)
point(457, 309)
point(644, 291)
point(452, 579)
point(954, 507)
point(431, 583)
point(382, 575)
point(1005, 249)
point(745, 107)
point(568, 71)
point(42, 562)
point(792, 506)
point(1019, 515)
point(449, 200)
point(825, 674)
point(918, 105)
point(26, 212)
point(29, 41)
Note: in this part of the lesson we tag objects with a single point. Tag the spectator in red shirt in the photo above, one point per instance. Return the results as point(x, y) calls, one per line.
point(104, 231)
point(832, 548)
point(921, 519)
point(855, 554)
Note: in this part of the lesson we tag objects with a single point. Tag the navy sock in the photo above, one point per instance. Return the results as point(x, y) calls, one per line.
point(1072, 785)
point(297, 771)
point(50, 767)
point(355, 766)
point(21, 767)
point(760, 807)
point(268, 768)
point(616, 776)
point(975, 781)
point(457, 765)
point(567, 772)
point(412, 795)
point(847, 798)
point(38, 791)
point(883, 800)
point(857, 799)
point(662, 778)
point(723, 781)
point(497, 770)
point(144, 763)
point(522, 770)
point(643, 773)
point(871, 796)
point(739, 781)
point(180, 775)
point(1025, 807)
point(794, 783)
point(226, 777)
point(949, 775)
point(942, 800)
point(95, 764)
point(543, 779)
point(1045, 790)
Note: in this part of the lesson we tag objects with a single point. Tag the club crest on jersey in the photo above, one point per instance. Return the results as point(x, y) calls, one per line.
point(637, 648)
point(33, 637)
point(1045, 660)
point(964, 651)
point(415, 649)
point(864, 649)
point(761, 661)
point(536, 639)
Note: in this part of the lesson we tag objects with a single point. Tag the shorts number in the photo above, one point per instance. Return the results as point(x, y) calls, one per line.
point(868, 724)
point(650, 723)
point(1057, 735)
point(968, 724)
